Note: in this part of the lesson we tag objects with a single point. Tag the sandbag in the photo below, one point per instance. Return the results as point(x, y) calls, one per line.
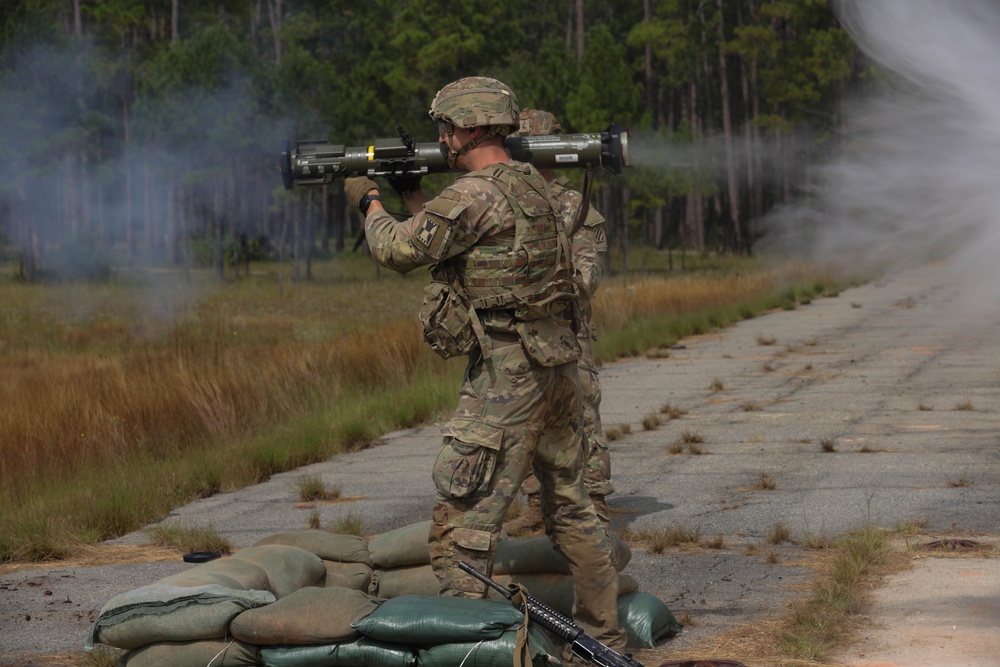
point(645, 619)
point(489, 653)
point(309, 616)
point(230, 572)
point(401, 547)
point(214, 652)
point(328, 546)
point(288, 568)
point(413, 580)
point(407, 546)
point(361, 651)
point(347, 575)
point(422, 620)
point(556, 590)
point(159, 613)
point(539, 556)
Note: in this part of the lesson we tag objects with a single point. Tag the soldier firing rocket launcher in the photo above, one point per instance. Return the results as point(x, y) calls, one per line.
point(320, 162)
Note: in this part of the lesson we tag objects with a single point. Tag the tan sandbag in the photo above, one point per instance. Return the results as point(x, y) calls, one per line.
point(191, 578)
point(328, 546)
point(556, 590)
point(538, 555)
point(288, 568)
point(407, 546)
point(163, 613)
point(306, 617)
point(357, 576)
point(401, 547)
point(230, 572)
point(214, 652)
point(413, 580)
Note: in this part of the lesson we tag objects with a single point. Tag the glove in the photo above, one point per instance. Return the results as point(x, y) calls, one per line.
point(404, 184)
point(357, 187)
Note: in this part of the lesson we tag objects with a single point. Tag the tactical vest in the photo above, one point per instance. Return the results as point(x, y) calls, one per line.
point(528, 268)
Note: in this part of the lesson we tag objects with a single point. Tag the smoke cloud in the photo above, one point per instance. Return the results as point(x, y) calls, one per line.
point(919, 176)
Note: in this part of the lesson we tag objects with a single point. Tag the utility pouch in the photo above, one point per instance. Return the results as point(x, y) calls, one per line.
point(548, 341)
point(465, 466)
point(446, 316)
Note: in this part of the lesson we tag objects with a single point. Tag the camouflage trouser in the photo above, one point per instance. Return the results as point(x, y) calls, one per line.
point(514, 415)
point(597, 473)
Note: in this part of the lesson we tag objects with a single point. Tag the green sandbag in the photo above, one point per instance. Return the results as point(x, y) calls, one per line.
point(229, 572)
point(401, 547)
point(489, 653)
point(159, 613)
point(309, 616)
point(407, 546)
point(347, 575)
point(421, 620)
point(214, 652)
point(328, 546)
point(288, 568)
point(556, 590)
point(398, 581)
point(645, 619)
point(539, 556)
point(362, 651)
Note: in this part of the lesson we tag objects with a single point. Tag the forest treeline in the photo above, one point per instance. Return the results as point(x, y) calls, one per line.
point(147, 132)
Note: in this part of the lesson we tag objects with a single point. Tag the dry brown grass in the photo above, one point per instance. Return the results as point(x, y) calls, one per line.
point(831, 606)
point(61, 412)
point(616, 306)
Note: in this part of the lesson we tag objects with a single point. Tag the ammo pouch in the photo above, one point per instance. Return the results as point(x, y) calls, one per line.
point(446, 316)
point(548, 341)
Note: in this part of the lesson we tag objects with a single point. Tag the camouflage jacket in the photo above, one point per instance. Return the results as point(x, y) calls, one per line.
point(470, 213)
point(588, 240)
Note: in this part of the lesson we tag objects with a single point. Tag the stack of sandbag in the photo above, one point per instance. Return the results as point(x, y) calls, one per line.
point(401, 566)
point(315, 599)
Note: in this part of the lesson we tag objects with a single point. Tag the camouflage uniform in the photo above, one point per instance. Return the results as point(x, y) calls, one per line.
point(589, 246)
point(519, 405)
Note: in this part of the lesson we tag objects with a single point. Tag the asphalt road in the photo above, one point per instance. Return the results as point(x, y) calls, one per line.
point(880, 405)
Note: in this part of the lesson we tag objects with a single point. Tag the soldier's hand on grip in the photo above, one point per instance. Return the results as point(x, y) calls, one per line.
point(404, 184)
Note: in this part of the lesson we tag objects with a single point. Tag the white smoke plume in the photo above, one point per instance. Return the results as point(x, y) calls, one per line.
point(919, 175)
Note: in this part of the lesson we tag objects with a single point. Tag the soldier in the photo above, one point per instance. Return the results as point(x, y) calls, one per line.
point(502, 293)
point(589, 247)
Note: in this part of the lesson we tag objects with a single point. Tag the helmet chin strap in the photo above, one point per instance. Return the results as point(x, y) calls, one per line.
point(453, 154)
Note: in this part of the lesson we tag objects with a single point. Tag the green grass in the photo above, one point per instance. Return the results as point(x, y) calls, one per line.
point(823, 621)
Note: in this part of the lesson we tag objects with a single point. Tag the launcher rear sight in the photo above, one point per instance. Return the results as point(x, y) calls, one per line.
point(319, 162)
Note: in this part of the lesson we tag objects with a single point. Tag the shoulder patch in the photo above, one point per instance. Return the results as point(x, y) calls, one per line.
point(448, 205)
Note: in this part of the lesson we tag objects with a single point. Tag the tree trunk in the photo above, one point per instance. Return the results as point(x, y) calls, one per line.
point(274, 12)
point(579, 30)
point(174, 21)
point(217, 222)
point(648, 56)
point(727, 131)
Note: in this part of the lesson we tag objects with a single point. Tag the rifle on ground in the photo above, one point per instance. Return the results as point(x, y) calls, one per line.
point(583, 645)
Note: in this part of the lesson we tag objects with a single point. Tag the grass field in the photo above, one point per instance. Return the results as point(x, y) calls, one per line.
point(124, 400)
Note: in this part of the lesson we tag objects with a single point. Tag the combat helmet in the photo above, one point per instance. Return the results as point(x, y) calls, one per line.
point(536, 121)
point(476, 101)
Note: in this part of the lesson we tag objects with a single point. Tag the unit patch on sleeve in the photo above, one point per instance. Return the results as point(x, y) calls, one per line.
point(426, 234)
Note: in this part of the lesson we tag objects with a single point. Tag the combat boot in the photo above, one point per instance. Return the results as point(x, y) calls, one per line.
point(530, 520)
